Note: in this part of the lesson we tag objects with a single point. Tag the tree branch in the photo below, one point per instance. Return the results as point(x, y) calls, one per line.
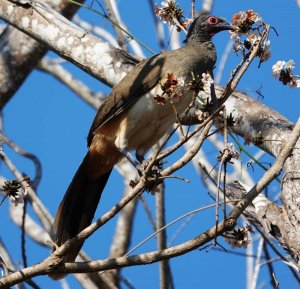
point(23, 54)
point(52, 30)
point(64, 76)
point(53, 262)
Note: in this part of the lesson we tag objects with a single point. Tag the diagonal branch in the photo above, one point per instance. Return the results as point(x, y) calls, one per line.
point(67, 78)
point(52, 262)
point(23, 54)
point(269, 175)
point(55, 32)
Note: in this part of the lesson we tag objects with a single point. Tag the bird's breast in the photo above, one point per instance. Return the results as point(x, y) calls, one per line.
point(151, 117)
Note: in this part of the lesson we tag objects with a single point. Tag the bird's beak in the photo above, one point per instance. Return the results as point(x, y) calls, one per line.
point(222, 25)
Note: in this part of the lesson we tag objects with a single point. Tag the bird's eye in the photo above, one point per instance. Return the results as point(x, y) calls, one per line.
point(213, 20)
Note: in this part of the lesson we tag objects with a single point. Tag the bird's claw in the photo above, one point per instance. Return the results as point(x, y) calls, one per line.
point(154, 172)
point(151, 176)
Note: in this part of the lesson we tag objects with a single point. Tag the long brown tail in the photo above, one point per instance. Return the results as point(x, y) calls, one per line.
point(78, 207)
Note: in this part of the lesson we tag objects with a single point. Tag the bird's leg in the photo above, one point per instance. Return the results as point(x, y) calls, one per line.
point(135, 162)
point(140, 157)
point(145, 163)
point(152, 185)
point(141, 164)
point(157, 167)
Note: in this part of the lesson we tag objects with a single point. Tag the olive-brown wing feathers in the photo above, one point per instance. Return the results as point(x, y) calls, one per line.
point(135, 84)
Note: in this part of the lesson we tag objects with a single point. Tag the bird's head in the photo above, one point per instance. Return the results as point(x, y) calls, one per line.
point(205, 26)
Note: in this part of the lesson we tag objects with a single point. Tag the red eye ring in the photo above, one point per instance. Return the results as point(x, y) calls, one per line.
point(212, 20)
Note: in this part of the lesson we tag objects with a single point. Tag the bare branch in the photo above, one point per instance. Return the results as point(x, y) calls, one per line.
point(124, 226)
point(257, 264)
point(6, 262)
point(164, 268)
point(114, 15)
point(23, 53)
point(158, 26)
point(33, 230)
point(224, 58)
point(99, 31)
point(189, 154)
point(91, 54)
point(65, 77)
point(37, 164)
point(38, 207)
point(268, 176)
point(207, 5)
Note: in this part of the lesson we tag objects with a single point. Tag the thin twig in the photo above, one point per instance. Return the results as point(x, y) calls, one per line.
point(218, 196)
point(23, 234)
point(158, 26)
point(241, 148)
point(115, 24)
point(270, 267)
point(225, 131)
point(38, 207)
point(177, 145)
point(180, 229)
point(148, 212)
point(257, 264)
point(170, 224)
point(69, 80)
point(36, 162)
point(193, 9)
point(114, 17)
point(269, 175)
point(189, 154)
point(242, 67)
point(283, 258)
point(54, 260)
point(164, 268)
point(223, 162)
point(207, 5)
point(237, 253)
point(179, 25)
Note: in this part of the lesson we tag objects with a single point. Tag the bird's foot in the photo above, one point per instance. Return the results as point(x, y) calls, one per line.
point(150, 176)
point(154, 172)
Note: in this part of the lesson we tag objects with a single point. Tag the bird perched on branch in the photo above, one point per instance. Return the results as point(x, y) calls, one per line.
point(138, 112)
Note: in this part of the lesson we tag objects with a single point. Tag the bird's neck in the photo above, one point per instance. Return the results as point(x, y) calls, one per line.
point(200, 56)
point(201, 50)
point(194, 42)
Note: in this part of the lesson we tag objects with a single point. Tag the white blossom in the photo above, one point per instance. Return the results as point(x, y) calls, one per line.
point(14, 191)
point(290, 64)
point(266, 53)
point(164, 4)
point(283, 71)
point(277, 67)
point(18, 197)
point(207, 82)
point(294, 83)
point(233, 151)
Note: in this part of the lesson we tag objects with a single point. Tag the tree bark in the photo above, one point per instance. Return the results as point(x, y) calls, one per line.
point(19, 53)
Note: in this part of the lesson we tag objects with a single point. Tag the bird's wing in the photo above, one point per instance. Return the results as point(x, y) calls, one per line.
point(123, 95)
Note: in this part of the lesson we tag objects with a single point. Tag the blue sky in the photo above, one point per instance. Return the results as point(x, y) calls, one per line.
point(47, 119)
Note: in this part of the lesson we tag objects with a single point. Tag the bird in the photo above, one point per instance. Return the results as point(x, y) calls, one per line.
point(132, 119)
